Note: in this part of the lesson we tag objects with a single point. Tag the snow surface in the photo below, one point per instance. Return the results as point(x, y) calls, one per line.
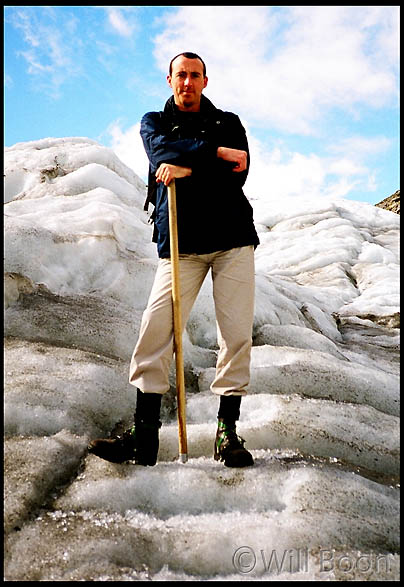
point(321, 418)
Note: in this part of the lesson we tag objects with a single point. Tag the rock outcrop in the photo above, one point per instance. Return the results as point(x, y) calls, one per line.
point(391, 203)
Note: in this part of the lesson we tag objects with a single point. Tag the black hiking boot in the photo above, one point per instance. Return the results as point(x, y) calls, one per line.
point(139, 444)
point(229, 447)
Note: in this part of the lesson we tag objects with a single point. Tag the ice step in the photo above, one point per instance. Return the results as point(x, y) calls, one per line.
point(359, 435)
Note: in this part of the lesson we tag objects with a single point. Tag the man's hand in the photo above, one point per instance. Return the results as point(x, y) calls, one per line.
point(239, 158)
point(167, 172)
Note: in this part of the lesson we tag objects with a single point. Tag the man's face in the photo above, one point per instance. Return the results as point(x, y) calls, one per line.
point(187, 82)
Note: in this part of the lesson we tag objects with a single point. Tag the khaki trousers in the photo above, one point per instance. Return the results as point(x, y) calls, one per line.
point(233, 293)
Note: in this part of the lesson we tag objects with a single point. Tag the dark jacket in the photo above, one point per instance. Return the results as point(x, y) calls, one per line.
point(213, 212)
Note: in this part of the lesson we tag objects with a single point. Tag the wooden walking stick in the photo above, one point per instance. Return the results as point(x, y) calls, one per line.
point(175, 288)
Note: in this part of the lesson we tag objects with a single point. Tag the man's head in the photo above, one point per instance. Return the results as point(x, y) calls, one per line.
point(187, 78)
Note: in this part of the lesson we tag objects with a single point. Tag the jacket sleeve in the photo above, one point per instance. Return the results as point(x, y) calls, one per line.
point(233, 135)
point(161, 149)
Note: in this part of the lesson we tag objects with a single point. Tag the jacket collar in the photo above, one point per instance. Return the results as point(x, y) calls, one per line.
point(207, 107)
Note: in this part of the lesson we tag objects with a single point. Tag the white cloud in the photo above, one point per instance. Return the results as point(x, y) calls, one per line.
point(52, 51)
point(56, 50)
point(285, 67)
point(294, 69)
point(129, 147)
point(360, 147)
point(279, 172)
point(22, 21)
point(118, 22)
point(8, 81)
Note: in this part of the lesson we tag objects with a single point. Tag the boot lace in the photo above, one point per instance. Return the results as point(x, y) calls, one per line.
point(228, 438)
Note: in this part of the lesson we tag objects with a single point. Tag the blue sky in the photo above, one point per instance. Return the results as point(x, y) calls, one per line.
point(316, 87)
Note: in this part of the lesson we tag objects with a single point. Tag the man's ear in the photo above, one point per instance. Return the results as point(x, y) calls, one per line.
point(205, 82)
point(169, 80)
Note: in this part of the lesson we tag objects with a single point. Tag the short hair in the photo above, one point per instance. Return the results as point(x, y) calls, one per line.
point(188, 55)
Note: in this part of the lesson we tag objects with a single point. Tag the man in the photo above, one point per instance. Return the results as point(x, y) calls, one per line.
point(205, 150)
